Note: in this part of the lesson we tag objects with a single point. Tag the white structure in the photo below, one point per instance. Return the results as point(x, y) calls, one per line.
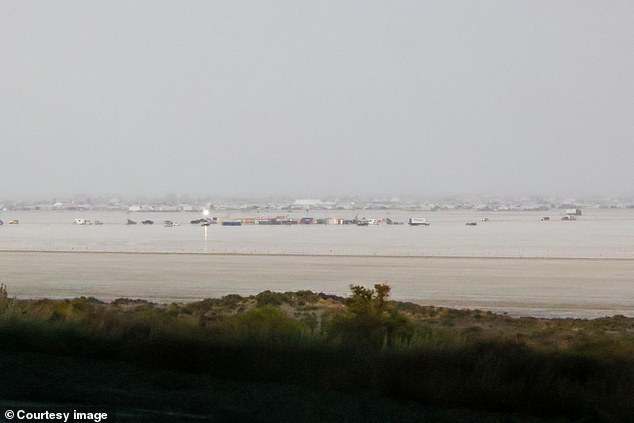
point(80, 221)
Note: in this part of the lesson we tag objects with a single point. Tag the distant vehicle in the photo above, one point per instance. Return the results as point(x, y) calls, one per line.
point(14, 222)
point(169, 224)
point(367, 222)
point(569, 218)
point(573, 212)
point(232, 223)
point(485, 219)
point(147, 222)
point(131, 222)
point(545, 219)
point(417, 221)
point(1, 222)
point(81, 221)
point(205, 221)
point(98, 222)
point(471, 223)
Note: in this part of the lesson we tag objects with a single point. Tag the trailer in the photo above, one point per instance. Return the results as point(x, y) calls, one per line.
point(417, 221)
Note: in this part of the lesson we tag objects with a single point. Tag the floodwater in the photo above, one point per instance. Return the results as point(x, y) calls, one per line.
point(513, 263)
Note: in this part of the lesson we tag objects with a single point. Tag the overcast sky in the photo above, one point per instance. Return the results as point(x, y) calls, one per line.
point(312, 98)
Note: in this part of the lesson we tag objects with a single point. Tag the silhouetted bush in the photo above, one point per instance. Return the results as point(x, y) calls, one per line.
point(369, 347)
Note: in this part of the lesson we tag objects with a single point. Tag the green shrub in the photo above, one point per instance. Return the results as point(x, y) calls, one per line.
point(268, 298)
point(268, 324)
point(368, 347)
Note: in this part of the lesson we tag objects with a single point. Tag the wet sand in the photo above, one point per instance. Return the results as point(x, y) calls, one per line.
point(520, 286)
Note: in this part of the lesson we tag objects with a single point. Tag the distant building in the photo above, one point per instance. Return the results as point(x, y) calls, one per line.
point(304, 204)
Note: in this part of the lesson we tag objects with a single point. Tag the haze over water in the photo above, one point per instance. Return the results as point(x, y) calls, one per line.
point(355, 98)
point(512, 263)
point(599, 233)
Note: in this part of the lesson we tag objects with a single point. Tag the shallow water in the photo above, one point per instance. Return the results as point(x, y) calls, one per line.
point(514, 263)
point(599, 233)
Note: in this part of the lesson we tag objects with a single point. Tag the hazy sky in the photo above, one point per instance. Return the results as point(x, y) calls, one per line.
point(312, 98)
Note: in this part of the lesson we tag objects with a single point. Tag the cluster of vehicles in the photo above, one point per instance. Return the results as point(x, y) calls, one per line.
point(81, 221)
point(143, 222)
point(87, 222)
point(166, 223)
point(206, 221)
point(569, 215)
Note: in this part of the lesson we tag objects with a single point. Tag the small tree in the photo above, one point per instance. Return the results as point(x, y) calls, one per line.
point(368, 302)
point(371, 322)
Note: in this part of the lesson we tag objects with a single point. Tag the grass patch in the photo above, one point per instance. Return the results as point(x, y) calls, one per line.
point(364, 345)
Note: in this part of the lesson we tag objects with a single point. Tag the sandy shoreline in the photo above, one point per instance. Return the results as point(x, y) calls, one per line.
point(521, 286)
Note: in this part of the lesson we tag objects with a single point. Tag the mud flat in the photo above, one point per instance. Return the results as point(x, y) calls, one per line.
point(520, 286)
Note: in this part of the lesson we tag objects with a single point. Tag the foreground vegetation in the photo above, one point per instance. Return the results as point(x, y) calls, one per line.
point(582, 370)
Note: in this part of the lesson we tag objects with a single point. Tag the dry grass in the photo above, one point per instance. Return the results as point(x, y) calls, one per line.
point(453, 358)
